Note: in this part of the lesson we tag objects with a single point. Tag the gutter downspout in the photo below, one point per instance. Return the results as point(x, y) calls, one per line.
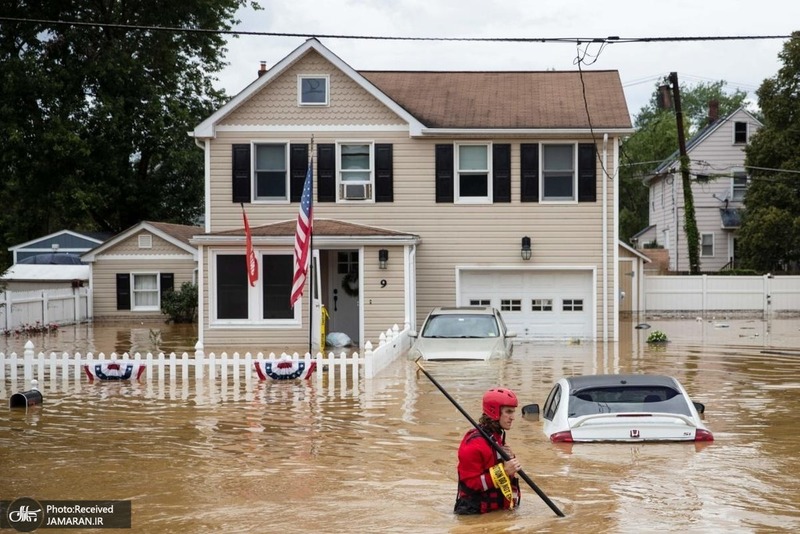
point(605, 238)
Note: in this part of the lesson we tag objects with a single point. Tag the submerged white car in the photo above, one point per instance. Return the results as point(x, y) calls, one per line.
point(462, 333)
point(625, 408)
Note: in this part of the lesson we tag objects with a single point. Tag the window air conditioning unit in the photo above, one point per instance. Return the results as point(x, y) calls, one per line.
point(355, 191)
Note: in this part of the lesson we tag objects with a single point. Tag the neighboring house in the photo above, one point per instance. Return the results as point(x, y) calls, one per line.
point(132, 270)
point(62, 242)
point(719, 182)
point(428, 187)
point(51, 262)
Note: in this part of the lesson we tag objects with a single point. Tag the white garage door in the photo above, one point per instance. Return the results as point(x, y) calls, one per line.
point(535, 304)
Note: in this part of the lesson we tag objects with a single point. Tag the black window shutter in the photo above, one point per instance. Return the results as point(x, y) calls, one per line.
point(529, 172)
point(167, 282)
point(326, 173)
point(240, 181)
point(587, 173)
point(444, 173)
point(384, 179)
point(123, 291)
point(298, 166)
point(501, 173)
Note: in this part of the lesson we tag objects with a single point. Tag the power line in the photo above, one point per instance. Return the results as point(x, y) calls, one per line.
point(578, 40)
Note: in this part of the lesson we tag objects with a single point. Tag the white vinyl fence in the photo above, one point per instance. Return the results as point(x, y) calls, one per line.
point(699, 294)
point(19, 309)
point(344, 370)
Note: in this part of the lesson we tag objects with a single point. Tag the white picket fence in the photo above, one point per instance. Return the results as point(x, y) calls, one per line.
point(345, 369)
point(49, 306)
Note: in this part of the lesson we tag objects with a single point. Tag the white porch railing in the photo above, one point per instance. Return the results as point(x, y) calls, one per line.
point(343, 370)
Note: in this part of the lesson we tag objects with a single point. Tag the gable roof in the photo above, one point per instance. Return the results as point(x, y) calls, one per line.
point(701, 135)
point(178, 234)
point(440, 102)
point(95, 238)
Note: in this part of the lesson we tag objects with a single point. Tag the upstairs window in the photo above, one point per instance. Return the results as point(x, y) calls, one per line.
point(707, 245)
point(558, 172)
point(356, 177)
point(739, 185)
point(473, 175)
point(739, 133)
point(271, 172)
point(312, 90)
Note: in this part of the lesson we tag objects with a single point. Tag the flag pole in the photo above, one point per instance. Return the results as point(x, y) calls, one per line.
point(311, 259)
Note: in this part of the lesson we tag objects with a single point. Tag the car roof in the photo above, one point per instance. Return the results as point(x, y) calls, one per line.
point(577, 383)
point(477, 310)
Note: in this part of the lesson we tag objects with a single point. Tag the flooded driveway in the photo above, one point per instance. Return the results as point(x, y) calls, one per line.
point(291, 457)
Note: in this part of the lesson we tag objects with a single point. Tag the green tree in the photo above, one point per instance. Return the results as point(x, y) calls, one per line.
point(656, 139)
point(95, 115)
point(770, 235)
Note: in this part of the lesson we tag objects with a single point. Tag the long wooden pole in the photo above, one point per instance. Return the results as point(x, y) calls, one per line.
point(503, 454)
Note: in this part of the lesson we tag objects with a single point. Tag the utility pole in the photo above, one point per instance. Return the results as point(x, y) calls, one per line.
point(690, 221)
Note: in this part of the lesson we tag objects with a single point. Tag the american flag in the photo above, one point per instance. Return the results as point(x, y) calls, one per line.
point(302, 240)
point(250, 255)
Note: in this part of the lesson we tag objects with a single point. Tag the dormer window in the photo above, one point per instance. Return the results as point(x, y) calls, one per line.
point(739, 133)
point(312, 90)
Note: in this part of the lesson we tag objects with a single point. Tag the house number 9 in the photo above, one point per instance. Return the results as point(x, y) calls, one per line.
point(383, 282)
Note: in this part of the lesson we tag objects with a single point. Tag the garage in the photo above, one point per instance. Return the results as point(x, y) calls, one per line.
point(536, 304)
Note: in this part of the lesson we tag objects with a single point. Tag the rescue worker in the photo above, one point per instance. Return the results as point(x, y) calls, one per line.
point(485, 482)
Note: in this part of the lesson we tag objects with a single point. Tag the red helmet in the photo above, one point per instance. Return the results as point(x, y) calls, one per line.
point(496, 398)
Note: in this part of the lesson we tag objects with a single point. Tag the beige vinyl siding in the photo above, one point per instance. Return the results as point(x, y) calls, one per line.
point(383, 306)
point(130, 245)
point(451, 234)
point(276, 104)
point(104, 281)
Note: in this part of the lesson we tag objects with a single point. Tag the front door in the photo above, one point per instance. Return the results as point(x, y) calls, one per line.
point(344, 286)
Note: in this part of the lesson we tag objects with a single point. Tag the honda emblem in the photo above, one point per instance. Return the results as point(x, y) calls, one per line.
point(634, 433)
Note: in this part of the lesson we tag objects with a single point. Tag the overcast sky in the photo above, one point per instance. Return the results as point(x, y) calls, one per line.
point(743, 64)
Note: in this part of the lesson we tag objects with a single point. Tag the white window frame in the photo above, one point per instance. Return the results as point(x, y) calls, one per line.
point(703, 245)
point(559, 200)
point(254, 176)
point(301, 78)
point(339, 170)
point(134, 291)
point(488, 199)
point(746, 133)
point(734, 188)
point(255, 296)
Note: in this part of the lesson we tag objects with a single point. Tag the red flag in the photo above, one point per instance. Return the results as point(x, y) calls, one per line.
point(302, 240)
point(250, 255)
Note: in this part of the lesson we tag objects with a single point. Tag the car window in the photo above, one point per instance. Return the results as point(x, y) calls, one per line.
point(618, 399)
point(550, 405)
point(461, 326)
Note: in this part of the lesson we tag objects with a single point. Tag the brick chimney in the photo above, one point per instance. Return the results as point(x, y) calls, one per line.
point(713, 111)
point(262, 70)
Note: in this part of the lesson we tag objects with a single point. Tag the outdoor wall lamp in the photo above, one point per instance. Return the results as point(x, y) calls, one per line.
point(383, 257)
point(525, 251)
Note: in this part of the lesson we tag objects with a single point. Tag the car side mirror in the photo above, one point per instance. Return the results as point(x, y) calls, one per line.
point(700, 407)
point(511, 333)
point(530, 412)
point(412, 333)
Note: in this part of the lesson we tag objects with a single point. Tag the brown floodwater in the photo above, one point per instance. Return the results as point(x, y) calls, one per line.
point(294, 457)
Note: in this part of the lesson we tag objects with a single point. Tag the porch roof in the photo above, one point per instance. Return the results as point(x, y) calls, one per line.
point(326, 232)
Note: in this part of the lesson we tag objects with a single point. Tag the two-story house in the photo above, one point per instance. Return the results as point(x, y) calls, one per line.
point(430, 189)
point(719, 182)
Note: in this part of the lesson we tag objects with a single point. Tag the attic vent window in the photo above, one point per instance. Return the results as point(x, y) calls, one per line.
point(146, 241)
point(312, 90)
point(739, 132)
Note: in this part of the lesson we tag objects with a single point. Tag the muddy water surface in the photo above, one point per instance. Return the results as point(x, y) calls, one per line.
point(292, 457)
